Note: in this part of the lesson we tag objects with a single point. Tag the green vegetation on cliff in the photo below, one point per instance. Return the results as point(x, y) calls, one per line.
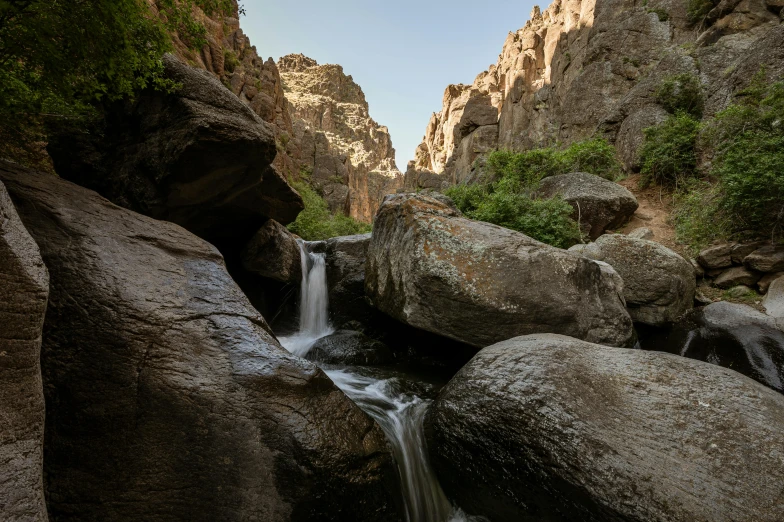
point(316, 222)
point(507, 197)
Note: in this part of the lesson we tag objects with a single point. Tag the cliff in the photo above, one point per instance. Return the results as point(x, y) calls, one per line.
point(323, 130)
point(588, 67)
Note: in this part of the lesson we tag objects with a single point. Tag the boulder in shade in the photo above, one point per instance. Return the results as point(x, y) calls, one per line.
point(767, 259)
point(658, 284)
point(599, 204)
point(167, 395)
point(717, 256)
point(478, 283)
point(273, 252)
point(738, 275)
point(350, 348)
point(199, 157)
point(732, 335)
point(24, 289)
point(545, 427)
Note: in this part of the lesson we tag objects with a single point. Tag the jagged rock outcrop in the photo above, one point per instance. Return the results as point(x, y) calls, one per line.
point(350, 156)
point(24, 290)
point(273, 252)
point(587, 66)
point(198, 157)
point(478, 283)
point(168, 397)
point(546, 427)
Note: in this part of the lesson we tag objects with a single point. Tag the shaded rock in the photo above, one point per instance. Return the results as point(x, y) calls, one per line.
point(546, 427)
point(478, 283)
point(737, 276)
point(199, 158)
point(273, 252)
point(24, 289)
point(642, 233)
point(631, 134)
point(767, 280)
point(698, 270)
point(774, 301)
point(345, 258)
point(767, 259)
point(731, 335)
point(719, 256)
point(741, 251)
point(598, 204)
point(167, 394)
point(350, 348)
point(658, 284)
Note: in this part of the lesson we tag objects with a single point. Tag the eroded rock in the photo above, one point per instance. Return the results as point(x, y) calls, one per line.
point(658, 284)
point(24, 289)
point(546, 427)
point(273, 252)
point(478, 283)
point(166, 391)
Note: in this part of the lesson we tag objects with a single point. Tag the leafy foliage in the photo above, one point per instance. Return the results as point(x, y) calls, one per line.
point(681, 93)
point(697, 10)
point(668, 154)
point(178, 16)
point(507, 195)
point(316, 222)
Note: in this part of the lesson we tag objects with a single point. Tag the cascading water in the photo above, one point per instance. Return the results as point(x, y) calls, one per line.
point(399, 412)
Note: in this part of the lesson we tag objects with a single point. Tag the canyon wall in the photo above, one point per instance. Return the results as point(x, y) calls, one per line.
point(323, 130)
point(591, 67)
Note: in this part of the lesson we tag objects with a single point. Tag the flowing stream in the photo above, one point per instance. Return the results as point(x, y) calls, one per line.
point(395, 401)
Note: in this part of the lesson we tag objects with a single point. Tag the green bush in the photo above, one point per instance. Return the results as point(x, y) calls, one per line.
point(528, 168)
point(316, 222)
point(668, 155)
point(697, 10)
point(681, 93)
point(230, 60)
point(699, 218)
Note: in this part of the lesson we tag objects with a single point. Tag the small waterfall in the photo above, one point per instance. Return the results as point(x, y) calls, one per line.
point(314, 303)
point(400, 414)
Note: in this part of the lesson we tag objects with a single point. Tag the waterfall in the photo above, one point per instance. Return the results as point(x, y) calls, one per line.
point(314, 303)
point(399, 413)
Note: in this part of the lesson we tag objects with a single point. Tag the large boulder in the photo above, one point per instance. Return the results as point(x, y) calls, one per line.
point(478, 283)
point(774, 301)
point(24, 289)
point(658, 284)
point(273, 252)
point(732, 335)
point(199, 158)
point(598, 204)
point(345, 259)
point(546, 427)
point(767, 259)
point(167, 396)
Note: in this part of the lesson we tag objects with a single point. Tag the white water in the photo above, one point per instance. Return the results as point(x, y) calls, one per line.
point(399, 414)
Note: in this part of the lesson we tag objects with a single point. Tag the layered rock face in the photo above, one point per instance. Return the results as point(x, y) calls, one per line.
point(588, 65)
point(478, 283)
point(168, 397)
point(546, 427)
point(350, 156)
point(24, 290)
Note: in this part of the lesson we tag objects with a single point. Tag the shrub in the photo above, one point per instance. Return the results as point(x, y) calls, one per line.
point(697, 10)
point(595, 156)
point(681, 93)
point(699, 219)
point(230, 60)
point(316, 222)
point(668, 155)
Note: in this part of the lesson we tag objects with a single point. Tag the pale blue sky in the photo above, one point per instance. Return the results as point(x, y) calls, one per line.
point(403, 53)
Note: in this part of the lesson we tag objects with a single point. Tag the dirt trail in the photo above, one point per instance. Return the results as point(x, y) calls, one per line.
point(655, 212)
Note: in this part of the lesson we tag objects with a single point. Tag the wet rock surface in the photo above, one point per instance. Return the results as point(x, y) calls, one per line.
point(352, 348)
point(199, 158)
point(658, 284)
point(730, 335)
point(599, 204)
point(24, 290)
point(478, 283)
point(545, 427)
point(167, 396)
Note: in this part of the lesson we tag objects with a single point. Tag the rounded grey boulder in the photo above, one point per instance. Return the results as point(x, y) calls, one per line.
point(350, 348)
point(478, 283)
point(546, 427)
point(598, 204)
point(658, 284)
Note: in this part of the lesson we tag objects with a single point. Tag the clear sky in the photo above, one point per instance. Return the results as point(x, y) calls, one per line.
point(403, 53)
